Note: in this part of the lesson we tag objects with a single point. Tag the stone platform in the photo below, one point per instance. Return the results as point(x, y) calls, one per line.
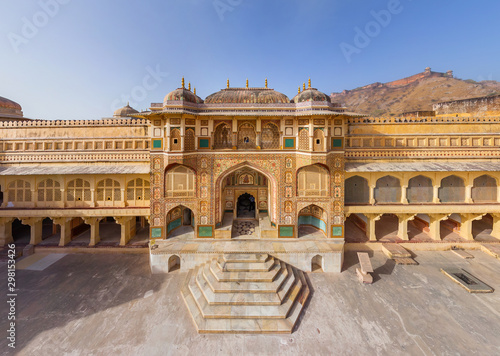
point(190, 253)
point(245, 293)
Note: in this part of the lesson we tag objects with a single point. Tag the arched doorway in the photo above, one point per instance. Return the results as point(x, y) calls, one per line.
point(180, 222)
point(174, 263)
point(317, 264)
point(245, 206)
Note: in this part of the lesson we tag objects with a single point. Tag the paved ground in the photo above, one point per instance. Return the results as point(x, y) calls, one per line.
point(110, 304)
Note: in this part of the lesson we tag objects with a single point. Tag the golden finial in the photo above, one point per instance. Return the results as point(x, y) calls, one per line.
point(303, 86)
point(189, 86)
point(247, 82)
point(266, 82)
point(228, 83)
point(194, 91)
point(183, 82)
point(309, 83)
point(299, 89)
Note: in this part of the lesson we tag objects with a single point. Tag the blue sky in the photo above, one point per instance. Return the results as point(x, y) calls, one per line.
point(82, 59)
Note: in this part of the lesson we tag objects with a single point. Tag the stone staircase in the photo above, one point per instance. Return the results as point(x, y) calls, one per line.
point(245, 293)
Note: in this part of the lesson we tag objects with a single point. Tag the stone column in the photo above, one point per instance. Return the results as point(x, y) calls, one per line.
point(6, 231)
point(36, 229)
point(435, 226)
point(496, 225)
point(92, 197)
point(34, 197)
point(372, 194)
point(370, 226)
point(125, 222)
point(311, 142)
point(257, 139)
point(65, 224)
point(403, 225)
point(404, 200)
point(466, 225)
point(468, 194)
point(95, 238)
point(122, 192)
point(435, 194)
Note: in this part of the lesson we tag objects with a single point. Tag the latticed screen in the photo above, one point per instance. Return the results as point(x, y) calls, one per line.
point(189, 140)
point(175, 140)
point(270, 137)
point(313, 181)
point(246, 136)
point(222, 137)
point(78, 190)
point(49, 190)
point(108, 190)
point(304, 140)
point(138, 189)
point(180, 182)
point(20, 191)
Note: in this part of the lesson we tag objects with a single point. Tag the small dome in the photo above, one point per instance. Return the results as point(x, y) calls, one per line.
point(126, 111)
point(311, 94)
point(182, 94)
point(10, 110)
point(247, 96)
point(9, 104)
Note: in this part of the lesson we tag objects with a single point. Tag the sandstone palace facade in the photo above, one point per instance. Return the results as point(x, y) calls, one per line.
point(248, 169)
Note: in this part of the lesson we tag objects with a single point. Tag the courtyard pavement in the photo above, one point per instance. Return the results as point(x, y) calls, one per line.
point(95, 304)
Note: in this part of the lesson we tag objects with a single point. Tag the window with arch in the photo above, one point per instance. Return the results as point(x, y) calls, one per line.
point(246, 136)
point(484, 189)
point(19, 191)
point(108, 190)
point(313, 181)
point(189, 140)
point(138, 190)
point(452, 190)
point(419, 190)
point(356, 190)
point(270, 136)
point(304, 139)
point(175, 140)
point(49, 190)
point(180, 182)
point(388, 190)
point(319, 140)
point(78, 190)
point(222, 136)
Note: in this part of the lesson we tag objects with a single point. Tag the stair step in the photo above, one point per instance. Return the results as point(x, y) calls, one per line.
point(243, 311)
point(245, 266)
point(246, 257)
point(254, 276)
point(234, 298)
point(245, 287)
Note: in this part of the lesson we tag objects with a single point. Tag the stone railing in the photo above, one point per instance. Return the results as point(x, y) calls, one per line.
point(85, 123)
point(423, 120)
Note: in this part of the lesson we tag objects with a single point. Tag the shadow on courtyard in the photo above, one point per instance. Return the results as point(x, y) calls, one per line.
point(65, 292)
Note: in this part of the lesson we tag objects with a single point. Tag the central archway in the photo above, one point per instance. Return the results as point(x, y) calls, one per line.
point(272, 196)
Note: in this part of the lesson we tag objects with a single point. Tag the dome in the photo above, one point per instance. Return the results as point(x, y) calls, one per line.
point(311, 94)
point(9, 104)
point(125, 111)
point(247, 96)
point(10, 110)
point(183, 94)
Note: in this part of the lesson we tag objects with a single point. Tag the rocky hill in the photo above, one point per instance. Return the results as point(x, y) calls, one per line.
point(416, 93)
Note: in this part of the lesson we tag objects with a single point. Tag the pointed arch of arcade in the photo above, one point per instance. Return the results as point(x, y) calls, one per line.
point(272, 182)
point(171, 206)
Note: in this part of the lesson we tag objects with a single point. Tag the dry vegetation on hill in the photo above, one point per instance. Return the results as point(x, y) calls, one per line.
point(419, 95)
